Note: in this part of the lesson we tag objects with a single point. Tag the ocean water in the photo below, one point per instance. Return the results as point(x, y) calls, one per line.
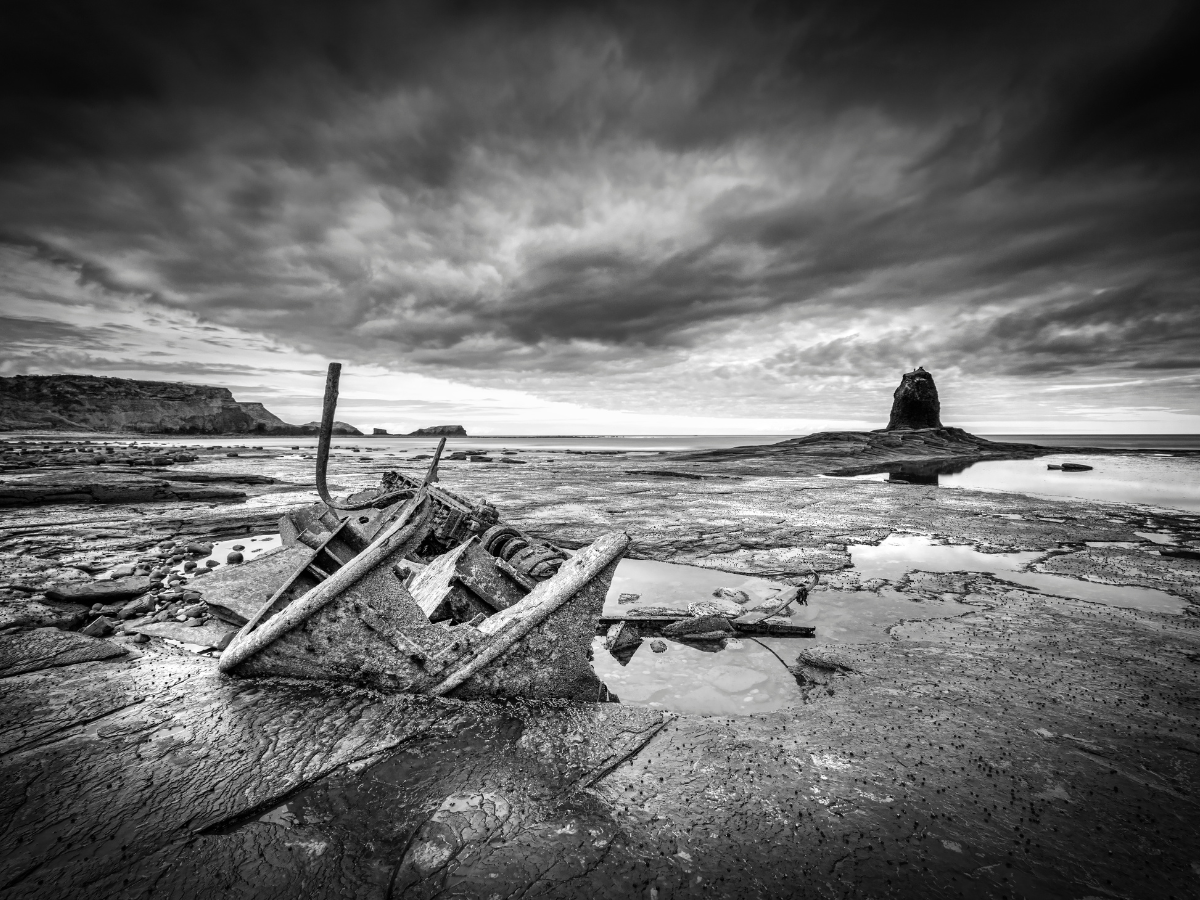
point(632, 443)
point(1168, 482)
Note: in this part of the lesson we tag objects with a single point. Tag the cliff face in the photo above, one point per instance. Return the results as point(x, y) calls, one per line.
point(915, 403)
point(91, 403)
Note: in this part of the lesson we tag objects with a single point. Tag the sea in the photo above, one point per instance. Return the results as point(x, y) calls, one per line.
point(1164, 474)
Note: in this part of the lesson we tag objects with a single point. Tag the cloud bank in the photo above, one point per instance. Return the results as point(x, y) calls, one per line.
point(725, 211)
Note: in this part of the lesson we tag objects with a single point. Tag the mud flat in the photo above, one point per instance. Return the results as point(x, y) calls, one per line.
point(1035, 745)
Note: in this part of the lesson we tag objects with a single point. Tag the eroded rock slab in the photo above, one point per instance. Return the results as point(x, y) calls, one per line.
point(47, 648)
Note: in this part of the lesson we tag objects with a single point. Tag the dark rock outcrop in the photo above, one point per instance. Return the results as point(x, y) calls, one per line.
point(440, 430)
point(93, 403)
point(84, 486)
point(915, 403)
point(342, 428)
point(379, 432)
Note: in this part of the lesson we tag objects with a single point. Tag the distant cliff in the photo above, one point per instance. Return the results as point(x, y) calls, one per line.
point(92, 403)
point(438, 430)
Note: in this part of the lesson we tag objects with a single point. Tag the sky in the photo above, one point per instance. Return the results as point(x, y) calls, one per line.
point(612, 218)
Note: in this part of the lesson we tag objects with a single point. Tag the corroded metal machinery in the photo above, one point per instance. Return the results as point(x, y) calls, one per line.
point(411, 587)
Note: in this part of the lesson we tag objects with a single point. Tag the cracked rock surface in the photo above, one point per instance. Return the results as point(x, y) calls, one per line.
point(1033, 746)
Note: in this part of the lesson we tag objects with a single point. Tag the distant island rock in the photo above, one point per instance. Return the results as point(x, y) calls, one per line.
point(440, 431)
point(915, 403)
point(97, 403)
point(379, 432)
point(343, 428)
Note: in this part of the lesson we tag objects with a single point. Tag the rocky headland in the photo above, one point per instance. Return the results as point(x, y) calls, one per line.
point(90, 403)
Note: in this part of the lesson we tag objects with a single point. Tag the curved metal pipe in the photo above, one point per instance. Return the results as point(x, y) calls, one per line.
point(325, 436)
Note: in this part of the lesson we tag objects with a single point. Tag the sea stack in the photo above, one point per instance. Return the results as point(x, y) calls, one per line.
point(915, 403)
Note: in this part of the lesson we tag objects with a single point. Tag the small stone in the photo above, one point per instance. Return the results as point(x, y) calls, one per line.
point(211, 563)
point(239, 546)
point(100, 627)
point(200, 548)
point(233, 557)
point(140, 639)
point(717, 607)
point(191, 596)
point(194, 611)
point(658, 646)
point(192, 623)
point(724, 593)
point(189, 565)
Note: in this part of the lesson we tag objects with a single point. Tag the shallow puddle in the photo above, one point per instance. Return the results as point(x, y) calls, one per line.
point(250, 546)
point(742, 675)
point(900, 554)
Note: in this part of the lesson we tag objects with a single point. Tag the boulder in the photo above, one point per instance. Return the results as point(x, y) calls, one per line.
point(915, 403)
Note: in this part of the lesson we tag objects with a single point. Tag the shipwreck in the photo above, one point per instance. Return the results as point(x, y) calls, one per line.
point(409, 587)
point(415, 589)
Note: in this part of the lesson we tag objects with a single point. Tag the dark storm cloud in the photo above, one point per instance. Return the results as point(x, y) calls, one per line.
point(544, 188)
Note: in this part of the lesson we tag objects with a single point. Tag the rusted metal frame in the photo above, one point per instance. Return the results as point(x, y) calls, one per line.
point(545, 599)
point(409, 524)
point(519, 577)
point(475, 588)
point(264, 610)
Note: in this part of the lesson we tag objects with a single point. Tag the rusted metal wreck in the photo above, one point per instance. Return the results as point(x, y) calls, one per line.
point(413, 588)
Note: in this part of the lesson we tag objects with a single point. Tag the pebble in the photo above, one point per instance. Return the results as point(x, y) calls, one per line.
point(189, 565)
point(239, 546)
point(234, 557)
point(658, 646)
point(211, 563)
point(194, 611)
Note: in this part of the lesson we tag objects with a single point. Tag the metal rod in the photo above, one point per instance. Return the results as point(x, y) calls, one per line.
point(326, 435)
point(432, 475)
point(327, 411)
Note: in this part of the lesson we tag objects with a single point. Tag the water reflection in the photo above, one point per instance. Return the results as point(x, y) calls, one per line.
point(1165, 481)
point(737, 675)
point(900, 554)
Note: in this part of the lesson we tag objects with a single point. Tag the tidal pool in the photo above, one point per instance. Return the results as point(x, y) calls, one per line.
point(1162, 481)
point(741, 675)
point(900, 554)
point(252, 546)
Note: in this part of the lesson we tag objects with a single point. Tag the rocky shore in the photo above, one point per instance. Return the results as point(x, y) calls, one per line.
point(1037, 746)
